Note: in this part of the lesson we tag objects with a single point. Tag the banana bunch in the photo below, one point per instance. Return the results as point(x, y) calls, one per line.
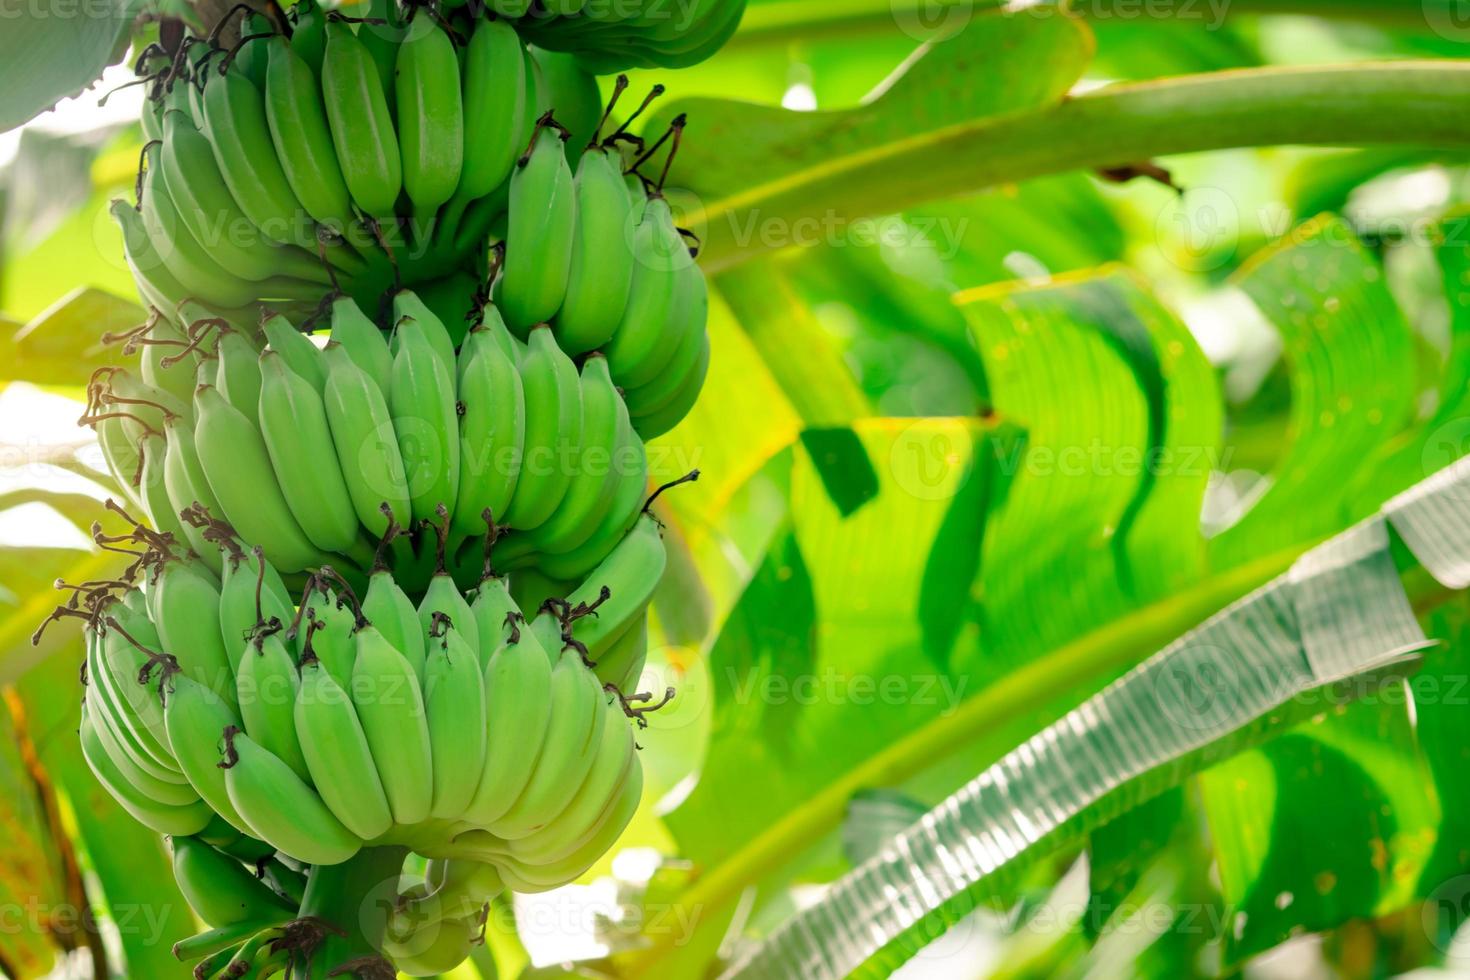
point(291, 731)
point(600, 257)
point(371, 444)
point(611, 37)
point(332, 150)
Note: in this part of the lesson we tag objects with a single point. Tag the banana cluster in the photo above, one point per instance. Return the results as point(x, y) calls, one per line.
point(362, 152)
point(600, 257)
point(612, 35)
point(375, 447)
point(286, 731)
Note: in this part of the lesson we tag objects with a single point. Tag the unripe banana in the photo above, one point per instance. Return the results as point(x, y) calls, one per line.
point(553, 427)
point(282, 810)
point(424, 421)
point(165, 366)
point(454, 696)
point(492, 432)
point(309, 33)
point(125, 706)
point(638, 347)
point(219, 889)
point(443, 598)
point(494, 107)
point(238, 375)
point(362, 128)
point(160, 510)
point(453, 889)
point(364, 443)
point(686, 332)
point(190, 263)
point(195, 716)
point(235, 458)
point(267, 688)
point(430, 115)
point(156, 284)
point(363, 341)
point(517, 710)
point(302, 137)
point(411, 305)
point(533, 878)
point(495, 614)
point(663, 419)
point(183, 600)
point(304, 357)
point(573, 736)
point(390, 609)
point(251, 594)
point(187, 486)
point(629, 575)
point(293, 424)
point(621, 663)
point(601, 272)
point(338, 755)
point(168, 792)
point(451, 943)
point(572, 93)
point(164, 819)
point(324, 631)
point(385, 691)
point(541, 226)
point(613, 766)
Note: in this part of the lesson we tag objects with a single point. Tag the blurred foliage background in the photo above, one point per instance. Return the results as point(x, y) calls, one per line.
point(918, 539)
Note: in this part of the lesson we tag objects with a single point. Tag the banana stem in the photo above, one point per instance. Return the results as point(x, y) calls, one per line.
point(355, 897)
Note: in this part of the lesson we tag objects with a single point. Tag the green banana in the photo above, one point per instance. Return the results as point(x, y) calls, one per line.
point(195, 716)
point(691, 346)
point(389, 608)
point(494, 107)
point(170, 372)
point(127, 707)
point(303, 140)
point(153, 449)
point(169, 792)
point(639, 345)
point(238, 376)
point(430, 115)
point(219, 888)
point(184, 479)
point(211, 215)
point(293, 424)
point(454, 698)
point(572, 93)
point(190, 263)
point(517, 712)
point(296, 347)
point(337, 754)
point(573, 736)
point(621, 663)
point(382, 40)
point(614, 764)
point(663, 418)
point(553, 428)
point(156, 284)
point(443, 599)
point(541, 226)
point(447, 946)
point(492, 431)
point(363, 341)
point(324, 630)
point(362, 128)
point(234, 458)
point(251, 594)
point(183, 601)
point(495, 613)
point(365, 443)
point(282, 810)
point(385, 690)
point(601, 273)
point(424, 421)
point(411, 305)
point(158, 817)
point(621, 516)
point(597, 473)
point(620, 588)
point(267, 687)
point(309, 33)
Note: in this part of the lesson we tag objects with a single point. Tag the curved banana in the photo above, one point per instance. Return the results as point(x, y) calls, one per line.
point(385, 690)
point(664, 418)
point(251, 594)
point(430, 115)
point(532, 878)
point(492, 432)
point(601, 273)
point(361, 126)
point(282, 810)
point(454, 697)
point(293, 424)
point(517, 711)
point(553, 402)
point(412, 306)
point(195, 716)
point(238, 373)
point(219, 888)
point(266, 687)
point(424, 421)
point(363, 341)
point(365, 443)
point(621, 663)
point(296, 347)
point(620, 588)
point(153, 449)
point(235, 458)
point(337, 754)
point(494, 107)
point(496, 614)
point(190, 263)
point(158, 817)
point(389, 608)
point(541, 225)
point(183, 477)
point(639, 346)
point(183, 600)
point(167, 362)
point(299, 129)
